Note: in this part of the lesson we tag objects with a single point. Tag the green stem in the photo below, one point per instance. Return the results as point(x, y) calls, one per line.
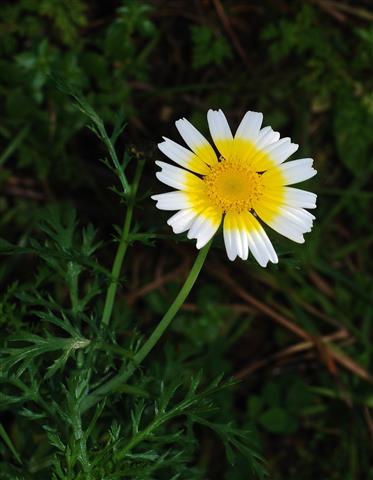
point(175, 306)
point(117, 267)
point(121, 251)
point(125, 373)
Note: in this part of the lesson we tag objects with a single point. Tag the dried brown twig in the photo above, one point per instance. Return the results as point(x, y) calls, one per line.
point(230, 31)
point(287, 352)
point(328, 353)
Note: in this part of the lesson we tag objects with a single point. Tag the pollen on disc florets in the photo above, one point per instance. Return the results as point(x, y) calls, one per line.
point(233, 187)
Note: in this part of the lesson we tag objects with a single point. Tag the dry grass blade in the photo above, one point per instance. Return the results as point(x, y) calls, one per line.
point(336, 7)
point(327, 352)
point(300, 347)
point(230, 32)
point(160, 280)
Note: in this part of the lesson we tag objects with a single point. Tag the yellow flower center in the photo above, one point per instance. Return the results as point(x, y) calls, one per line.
point(233, 187)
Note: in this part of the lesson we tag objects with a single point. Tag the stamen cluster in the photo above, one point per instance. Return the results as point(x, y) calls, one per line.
point(232, 186)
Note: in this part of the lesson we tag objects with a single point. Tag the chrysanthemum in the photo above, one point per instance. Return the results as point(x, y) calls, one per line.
point(244, 183)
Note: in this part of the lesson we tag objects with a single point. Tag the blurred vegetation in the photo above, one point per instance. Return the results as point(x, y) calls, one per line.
point(297, 336)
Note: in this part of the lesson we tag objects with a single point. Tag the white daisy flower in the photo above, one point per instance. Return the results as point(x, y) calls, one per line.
point(246, 182)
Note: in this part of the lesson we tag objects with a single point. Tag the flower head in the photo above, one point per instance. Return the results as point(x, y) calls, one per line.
point(246, 182)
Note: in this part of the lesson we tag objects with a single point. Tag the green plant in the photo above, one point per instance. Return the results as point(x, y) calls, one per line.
point(297, 336)
point(66, 373)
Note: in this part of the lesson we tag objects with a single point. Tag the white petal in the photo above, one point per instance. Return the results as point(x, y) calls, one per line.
point(230, 245)
point(175, 177)
point(235, 237)
point(240, 236)
point(287, 229)
point(285, 224)
point(272, 255)
point(196, 141)
point(259, 243)
point(292, 197)
point(296, 171)
point(257, 249)
point(249, 127)
point(296, 197)
point(220, 131)
point(237, 241)
point(182, 220)
point(266, 137)
point(203, 229)
point(172, 201)
point(205, 234)
point(302, 213)
point(182, 156)
point(262, 237)
point(297, 218)
point(301, 219)
point(245, 244)
point(280, 151)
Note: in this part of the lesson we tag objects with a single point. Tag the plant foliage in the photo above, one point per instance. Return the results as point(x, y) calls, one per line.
point(74, 312)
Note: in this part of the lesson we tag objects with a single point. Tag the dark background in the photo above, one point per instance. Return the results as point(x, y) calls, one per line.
point(298, 334)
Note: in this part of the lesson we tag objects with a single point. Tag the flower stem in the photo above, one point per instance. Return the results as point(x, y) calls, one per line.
point(122, 247)
point(175, 306)
point(126, 372)
point(117, 266)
